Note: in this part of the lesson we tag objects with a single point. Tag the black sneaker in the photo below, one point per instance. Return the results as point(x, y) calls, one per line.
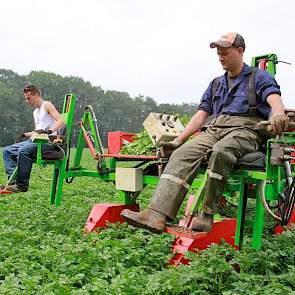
point(14, 188)
point(2, 186)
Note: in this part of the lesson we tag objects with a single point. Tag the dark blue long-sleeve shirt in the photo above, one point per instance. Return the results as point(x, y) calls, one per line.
point(234, 100)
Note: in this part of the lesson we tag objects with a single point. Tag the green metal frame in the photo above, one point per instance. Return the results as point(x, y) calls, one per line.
point(272, 60)
point(87, 122)
point(60, 166)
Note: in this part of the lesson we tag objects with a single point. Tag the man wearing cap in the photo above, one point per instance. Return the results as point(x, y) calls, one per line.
point(230, 135)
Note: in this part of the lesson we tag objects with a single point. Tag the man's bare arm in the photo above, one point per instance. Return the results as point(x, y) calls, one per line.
point(279, 120)
point(51, 110)
point(28, 134)
point(194, 125)
point(276, 103)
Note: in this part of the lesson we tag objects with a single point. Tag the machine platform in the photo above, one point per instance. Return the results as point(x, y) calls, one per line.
point(189, 240)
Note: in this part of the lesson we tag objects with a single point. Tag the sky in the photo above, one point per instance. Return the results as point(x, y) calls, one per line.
point(155, 48)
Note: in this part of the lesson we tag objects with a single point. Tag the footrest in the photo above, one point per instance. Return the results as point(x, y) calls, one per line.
point(182, 231)
point(189, 240)
point(103, 213)
point(4, 192)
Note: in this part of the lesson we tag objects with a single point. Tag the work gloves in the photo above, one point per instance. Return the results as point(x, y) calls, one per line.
point(39, 131)
point(171, 145)
point(168, 147)
point(279, 123)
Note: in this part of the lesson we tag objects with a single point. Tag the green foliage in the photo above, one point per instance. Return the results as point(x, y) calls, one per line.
point(143, 145)
point(44, 251)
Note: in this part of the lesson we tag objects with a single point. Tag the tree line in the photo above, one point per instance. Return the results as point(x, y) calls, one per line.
point(115, 110)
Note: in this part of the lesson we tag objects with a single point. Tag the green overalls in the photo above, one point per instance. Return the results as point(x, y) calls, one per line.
point(229, 138)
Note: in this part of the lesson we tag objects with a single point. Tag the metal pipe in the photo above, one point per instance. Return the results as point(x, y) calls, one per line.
point(88, 142)
point(96, 127)
point(288, 172)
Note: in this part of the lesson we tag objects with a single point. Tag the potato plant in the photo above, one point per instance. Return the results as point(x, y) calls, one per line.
point(44, 251)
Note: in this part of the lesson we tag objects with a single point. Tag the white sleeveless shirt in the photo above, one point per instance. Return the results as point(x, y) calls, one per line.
point(42, 119)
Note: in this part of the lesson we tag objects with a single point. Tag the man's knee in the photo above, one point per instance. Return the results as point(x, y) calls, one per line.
point(26, 150)
point(6, 150)
point(223, 153)
point(222, 158)
point(176, 154)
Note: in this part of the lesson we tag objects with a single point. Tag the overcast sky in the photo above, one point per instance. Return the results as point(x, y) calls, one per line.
point(156, 48)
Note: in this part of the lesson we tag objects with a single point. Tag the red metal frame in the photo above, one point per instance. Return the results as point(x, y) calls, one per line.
point(279, 229)
point(68, 103)
point(262, 64)
point(88, 142)
point(101, 214)
point(188, 240)
point(4, 192)
point(116, 140)
point(123, 156)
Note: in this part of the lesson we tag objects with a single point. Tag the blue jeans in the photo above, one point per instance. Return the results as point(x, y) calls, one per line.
point(22, 156)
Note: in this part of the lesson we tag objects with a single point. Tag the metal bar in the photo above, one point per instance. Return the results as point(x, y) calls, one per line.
point(125, 199)
point(39, 154)
point(123, 156)
point(82, 172)
point(149, 179)
point(53, 186)
point(199, 196)
point(80, 144)
point(95, 129)
point(241, 213)
point(89, 142)
point(11, 178)
point(288, 172)
point(258, 223)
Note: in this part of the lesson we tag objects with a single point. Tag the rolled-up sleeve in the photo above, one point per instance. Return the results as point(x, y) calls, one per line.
point(266, 85)
point(205, 103)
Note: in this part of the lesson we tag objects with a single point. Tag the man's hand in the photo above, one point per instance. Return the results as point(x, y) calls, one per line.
point(279, 123)
point(39, 131)
point(166, 148)
point(20, 138)
point(171, 145)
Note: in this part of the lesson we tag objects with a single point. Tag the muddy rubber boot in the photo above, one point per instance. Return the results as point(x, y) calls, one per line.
point(148, 218)
point(203, 222)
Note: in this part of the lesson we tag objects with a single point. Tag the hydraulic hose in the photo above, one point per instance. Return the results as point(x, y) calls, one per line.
point(264, 203)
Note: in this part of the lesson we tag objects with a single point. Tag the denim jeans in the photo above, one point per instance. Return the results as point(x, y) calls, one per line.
point(21, 155)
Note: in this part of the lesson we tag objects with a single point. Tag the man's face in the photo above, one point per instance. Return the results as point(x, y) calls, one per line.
point(32, 99)
point(230, 58)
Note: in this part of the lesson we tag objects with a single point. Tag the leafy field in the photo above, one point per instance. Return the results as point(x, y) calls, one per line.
point(44, 251)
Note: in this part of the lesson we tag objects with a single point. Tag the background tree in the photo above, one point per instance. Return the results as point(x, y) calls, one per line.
point(115, 110)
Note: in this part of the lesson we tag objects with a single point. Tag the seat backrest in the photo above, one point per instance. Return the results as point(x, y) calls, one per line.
point(67, 115)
